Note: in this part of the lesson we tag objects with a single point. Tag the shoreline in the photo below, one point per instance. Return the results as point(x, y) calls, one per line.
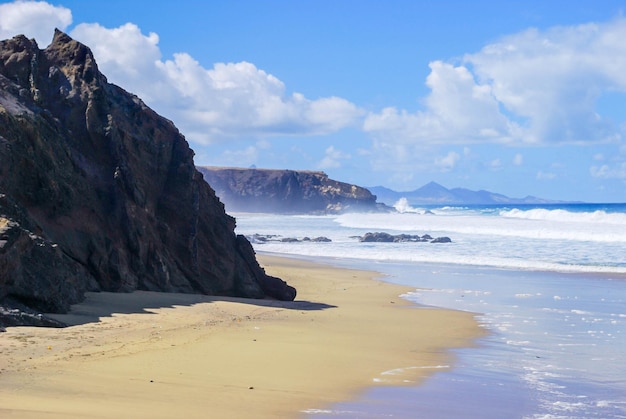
point(165, 355)
point(348, 263)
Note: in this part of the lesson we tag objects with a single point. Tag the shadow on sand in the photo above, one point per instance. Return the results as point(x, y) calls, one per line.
point(105, 304)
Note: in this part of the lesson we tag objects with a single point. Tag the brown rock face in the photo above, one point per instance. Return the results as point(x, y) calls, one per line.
point(287, 191)
point(106, 189)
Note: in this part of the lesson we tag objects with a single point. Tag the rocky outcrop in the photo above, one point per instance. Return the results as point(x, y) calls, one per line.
point(98, 192)
point(267, 238)
point(380, 237)
point(287, 191)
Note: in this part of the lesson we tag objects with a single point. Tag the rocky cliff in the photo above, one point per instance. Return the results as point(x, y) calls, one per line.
point(286, 191)
point(98, 192)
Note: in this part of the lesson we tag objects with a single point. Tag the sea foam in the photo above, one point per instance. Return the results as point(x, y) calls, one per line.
point(554, 336)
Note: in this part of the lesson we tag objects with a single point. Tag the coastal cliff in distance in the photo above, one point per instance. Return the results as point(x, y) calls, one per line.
point(286, 191)
point(98, 192)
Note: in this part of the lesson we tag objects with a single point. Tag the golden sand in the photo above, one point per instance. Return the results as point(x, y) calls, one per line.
point(154, 355)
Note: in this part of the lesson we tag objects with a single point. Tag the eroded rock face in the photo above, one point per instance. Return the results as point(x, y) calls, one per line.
point(287, 191)
point(106, 189)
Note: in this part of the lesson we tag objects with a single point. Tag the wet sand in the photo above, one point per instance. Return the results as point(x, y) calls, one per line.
point(154, 355)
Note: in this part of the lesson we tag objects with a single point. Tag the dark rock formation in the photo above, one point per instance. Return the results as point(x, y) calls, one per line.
point(14, 313)
point(287, 191)
point(264, 238)
point(380, 237)
point(98, 192)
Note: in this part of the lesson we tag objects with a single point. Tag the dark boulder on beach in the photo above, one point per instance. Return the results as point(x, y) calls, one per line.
point(98, 192)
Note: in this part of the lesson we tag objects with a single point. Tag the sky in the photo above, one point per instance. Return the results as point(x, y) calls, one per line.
point(515, 97)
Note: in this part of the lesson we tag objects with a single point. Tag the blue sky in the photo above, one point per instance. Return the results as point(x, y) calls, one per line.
point(516, 97)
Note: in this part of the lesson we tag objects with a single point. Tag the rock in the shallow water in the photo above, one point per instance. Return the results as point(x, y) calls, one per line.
point(380, 237)
point(377, 238)
point(264, 238)
point(321, 239)
point(100, 192)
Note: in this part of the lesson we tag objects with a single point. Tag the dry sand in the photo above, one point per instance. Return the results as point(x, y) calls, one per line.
point(151, 355)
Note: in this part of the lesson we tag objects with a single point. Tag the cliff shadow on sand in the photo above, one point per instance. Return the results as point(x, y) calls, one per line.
point(98, 305)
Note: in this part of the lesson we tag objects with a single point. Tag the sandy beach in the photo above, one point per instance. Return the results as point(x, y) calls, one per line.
point(157, 355)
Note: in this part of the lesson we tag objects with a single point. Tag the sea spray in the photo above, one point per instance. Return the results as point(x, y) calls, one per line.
point(554, 239)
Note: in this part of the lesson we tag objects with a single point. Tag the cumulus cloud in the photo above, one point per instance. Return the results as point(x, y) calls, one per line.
point(448, 162)
point(532, 87)
point(210, 104)
point(605, 171)
point(553, 79)
point(541, 175)
point(458, 110)
point(332, 158)
point(240, 158)
point(34, 19)
point(124, 52)
point(228, 100)
point(518, 159)
point(495, 164)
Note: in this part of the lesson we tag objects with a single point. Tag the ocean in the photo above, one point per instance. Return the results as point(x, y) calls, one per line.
point(547, 281)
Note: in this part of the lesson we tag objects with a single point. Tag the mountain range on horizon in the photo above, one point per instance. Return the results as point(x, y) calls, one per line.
point(435, 194)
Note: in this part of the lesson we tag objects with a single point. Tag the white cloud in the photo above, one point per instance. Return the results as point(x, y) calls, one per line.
point(124, 52)
point(532, 87)
point(34, 19)
point(458, 110)
point(541, 175)
point(239, 158)
point(496, 164)
point(448, 162)
point(332, 158)
point(210, 104)
point(551, 80)
point(607, 172)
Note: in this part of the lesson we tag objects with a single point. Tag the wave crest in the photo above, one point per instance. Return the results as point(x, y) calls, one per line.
point(561, 215)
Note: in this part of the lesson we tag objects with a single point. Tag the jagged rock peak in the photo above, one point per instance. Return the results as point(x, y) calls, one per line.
point(74, 57)
point(65, 70)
